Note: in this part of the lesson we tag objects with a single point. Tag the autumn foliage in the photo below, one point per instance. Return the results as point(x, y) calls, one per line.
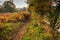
point(13, 17)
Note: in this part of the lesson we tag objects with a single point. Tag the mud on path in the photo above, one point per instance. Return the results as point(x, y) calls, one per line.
point(21, 32)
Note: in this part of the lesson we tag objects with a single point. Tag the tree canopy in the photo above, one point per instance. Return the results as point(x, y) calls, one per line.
point(44, 8)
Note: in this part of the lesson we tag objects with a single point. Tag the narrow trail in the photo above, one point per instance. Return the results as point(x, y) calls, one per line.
point(21, 31)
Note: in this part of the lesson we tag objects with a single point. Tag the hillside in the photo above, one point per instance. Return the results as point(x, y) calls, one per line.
point(10, 23)
point(24, 26)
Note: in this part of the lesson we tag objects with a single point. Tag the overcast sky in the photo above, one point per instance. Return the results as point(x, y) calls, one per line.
point(18, 3)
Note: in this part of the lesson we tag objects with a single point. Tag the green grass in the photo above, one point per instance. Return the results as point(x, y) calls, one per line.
point(34, 31)
point(9, 29)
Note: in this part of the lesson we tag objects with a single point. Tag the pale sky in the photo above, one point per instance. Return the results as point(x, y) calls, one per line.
point(18, 3)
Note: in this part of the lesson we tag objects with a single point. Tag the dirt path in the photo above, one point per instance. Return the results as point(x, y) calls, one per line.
point(21, 32)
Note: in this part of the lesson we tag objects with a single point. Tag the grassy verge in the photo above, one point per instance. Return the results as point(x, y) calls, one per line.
point(9, 29)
